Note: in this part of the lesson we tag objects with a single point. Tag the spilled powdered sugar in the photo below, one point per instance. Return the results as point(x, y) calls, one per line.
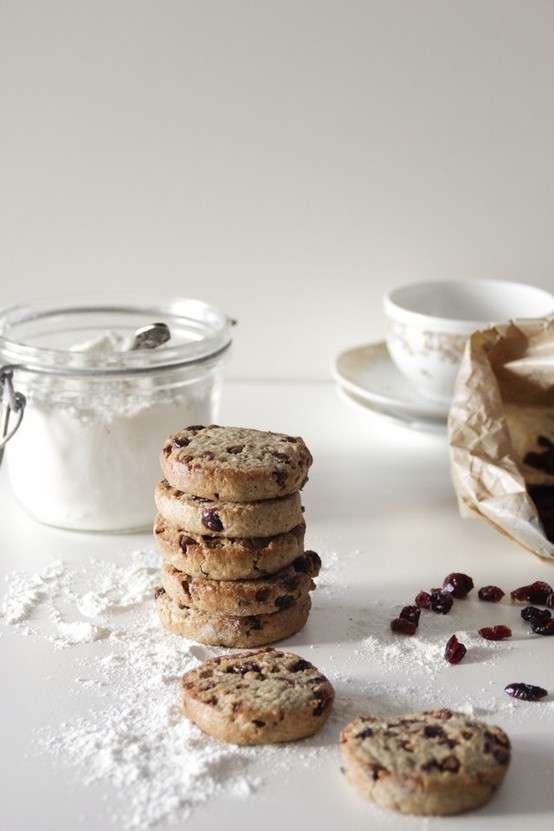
point(135, 738)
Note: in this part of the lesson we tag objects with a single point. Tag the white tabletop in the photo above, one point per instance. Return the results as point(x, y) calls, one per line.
point(381, 511)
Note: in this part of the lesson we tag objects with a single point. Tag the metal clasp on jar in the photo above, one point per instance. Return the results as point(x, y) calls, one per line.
point(12, 402)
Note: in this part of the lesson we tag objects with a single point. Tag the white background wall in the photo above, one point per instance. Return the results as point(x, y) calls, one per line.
point(287, 160)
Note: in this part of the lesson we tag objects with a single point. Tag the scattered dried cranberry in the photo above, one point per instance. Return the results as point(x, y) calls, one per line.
point(543, 628)
point(537, 592)
point(403, 626)
point(441, 602)
point(495, 633)
point(491, 594)
point(520, 594)
point(535, 616)
point(527, 692)
point(454, 651)
point(457, 584)
point(540, 592)
point(410, 613)
point(423, 600)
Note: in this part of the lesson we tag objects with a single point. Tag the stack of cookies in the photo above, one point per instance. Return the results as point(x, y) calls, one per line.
point(230, 528)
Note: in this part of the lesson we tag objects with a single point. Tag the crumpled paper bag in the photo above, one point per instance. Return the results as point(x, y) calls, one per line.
point(501, 431)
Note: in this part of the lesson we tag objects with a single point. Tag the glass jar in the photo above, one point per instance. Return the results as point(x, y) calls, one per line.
point(90, 414)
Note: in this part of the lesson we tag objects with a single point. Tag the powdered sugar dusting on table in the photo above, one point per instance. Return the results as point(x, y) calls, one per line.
point(161, 765)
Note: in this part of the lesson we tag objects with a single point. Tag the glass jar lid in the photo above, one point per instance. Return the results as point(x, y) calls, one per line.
point(47, 336)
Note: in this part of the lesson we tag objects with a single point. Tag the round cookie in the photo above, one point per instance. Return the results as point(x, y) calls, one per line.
point(235, 464)
point(244, 597)
point(433, 763)
point(257, 697)
point(228, 519)
point(219, 558)
point(230, 630)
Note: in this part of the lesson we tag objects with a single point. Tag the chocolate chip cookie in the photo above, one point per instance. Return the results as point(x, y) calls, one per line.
point(228, 519)
point(231, 630)
point(257, 697)
point(244, 597)
point(235, 464)
point(436, 762)
point(219, 558)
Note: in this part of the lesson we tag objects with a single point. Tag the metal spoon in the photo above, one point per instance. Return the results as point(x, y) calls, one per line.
point(150, 337)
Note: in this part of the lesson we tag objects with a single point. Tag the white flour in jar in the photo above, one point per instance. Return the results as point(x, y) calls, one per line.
point(88, 459)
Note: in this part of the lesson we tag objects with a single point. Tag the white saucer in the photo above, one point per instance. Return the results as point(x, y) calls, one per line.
point(369, 376)
point(397, 417)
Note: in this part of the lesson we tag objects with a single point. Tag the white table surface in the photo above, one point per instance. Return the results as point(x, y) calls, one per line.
point(375, 489)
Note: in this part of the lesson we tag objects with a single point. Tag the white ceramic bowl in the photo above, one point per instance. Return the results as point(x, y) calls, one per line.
point(428, 324)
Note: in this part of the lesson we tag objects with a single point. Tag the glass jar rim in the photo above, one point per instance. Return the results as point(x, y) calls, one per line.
point(206, 330)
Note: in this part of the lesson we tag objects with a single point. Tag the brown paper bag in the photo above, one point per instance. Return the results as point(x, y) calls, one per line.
point(501, 429)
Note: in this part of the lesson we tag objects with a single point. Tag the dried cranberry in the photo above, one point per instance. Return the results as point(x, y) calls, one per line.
point(495, 633)
point(522, 593)
point(454, 651)
point(537, 592)
point(410, 613)
point(540, 592)
point(433, 731)
point(526, 692)
point(180, 441)
point(544, 628)
point(491, 594)
point(423, 600)
point(300, 665)
point(441, 602)
point(185, 541)
point(280, 477)
point(211, 520)
point(242, 669)
point(550, 600)
point(324, 699)
point(403, 626)
point(535, 616)
point(285, 601)
point(457, 584)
